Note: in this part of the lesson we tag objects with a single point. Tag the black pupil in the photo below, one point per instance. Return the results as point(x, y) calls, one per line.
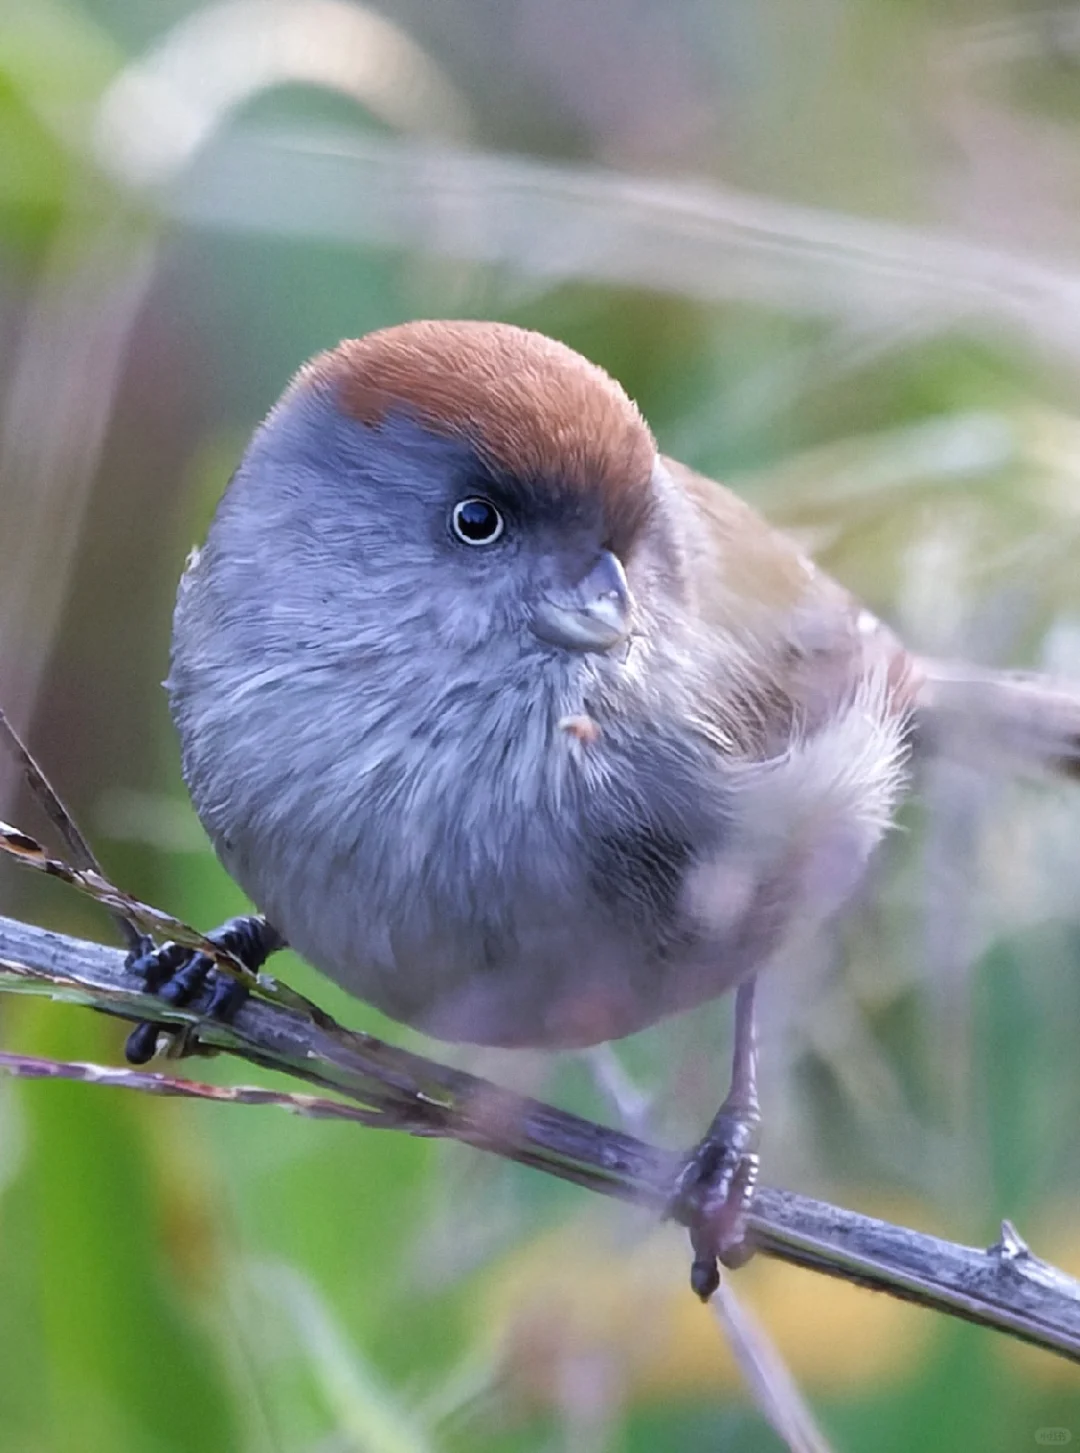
point(477, 520)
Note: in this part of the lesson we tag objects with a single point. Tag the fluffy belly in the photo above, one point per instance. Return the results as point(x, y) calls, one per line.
point(540, 966)
point(492, 908)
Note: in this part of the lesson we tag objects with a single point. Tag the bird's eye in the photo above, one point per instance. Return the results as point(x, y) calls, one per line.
point(477, 522)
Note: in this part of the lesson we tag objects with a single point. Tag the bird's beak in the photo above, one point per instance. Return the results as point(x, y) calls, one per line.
point(593, 615)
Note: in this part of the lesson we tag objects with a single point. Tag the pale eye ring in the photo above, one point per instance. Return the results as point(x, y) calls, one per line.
point(476, 521)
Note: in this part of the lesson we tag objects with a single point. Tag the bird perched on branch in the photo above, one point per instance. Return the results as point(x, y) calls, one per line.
point(527, 734)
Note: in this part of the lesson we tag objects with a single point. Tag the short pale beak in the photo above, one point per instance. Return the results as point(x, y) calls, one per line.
point(593, 615)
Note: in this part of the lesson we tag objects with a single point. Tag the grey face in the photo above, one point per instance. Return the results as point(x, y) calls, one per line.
point(512, 555)
point(418, 528)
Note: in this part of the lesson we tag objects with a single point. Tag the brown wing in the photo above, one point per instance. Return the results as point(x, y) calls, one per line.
point(801, 644)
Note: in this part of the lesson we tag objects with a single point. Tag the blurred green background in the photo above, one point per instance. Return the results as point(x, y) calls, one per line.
point(833, 248)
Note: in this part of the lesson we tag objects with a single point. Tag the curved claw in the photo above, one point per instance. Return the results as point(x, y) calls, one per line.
point(179, 975)
point(141, 1044)
point(713, 1193)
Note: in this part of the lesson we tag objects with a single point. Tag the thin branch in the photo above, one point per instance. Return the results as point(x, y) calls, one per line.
point(147, 1082)
point(1006, 1286)
point(775, 1390)
point(82, 854)
point(27, 852)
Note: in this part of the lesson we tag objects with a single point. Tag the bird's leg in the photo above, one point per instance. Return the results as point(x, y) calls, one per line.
point(714, 1189)
point(179, 975)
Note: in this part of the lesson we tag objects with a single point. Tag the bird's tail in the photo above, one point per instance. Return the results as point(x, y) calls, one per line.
point(978, 715)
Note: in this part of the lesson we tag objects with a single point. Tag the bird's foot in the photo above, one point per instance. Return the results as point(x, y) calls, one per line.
point(713, 1192)
point(182, 976)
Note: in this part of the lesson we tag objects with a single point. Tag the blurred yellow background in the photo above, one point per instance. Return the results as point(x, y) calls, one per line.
point(833, 249)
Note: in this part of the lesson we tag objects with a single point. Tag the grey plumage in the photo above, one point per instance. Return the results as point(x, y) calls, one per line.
point(371, 731)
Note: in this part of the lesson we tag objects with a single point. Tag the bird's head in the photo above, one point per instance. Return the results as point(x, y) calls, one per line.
point(464, 480)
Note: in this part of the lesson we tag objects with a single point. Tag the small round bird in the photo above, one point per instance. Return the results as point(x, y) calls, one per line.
point(517, 729)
